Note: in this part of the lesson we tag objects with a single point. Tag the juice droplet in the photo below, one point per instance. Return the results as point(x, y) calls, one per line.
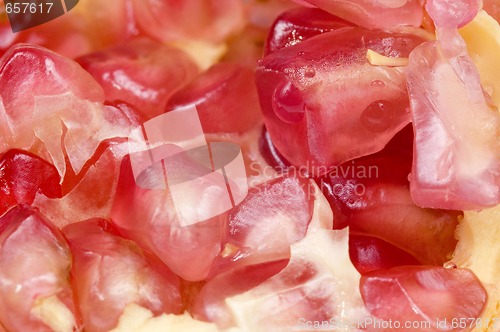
point(378, 83)
point(288, 103)
point(450, 265)
point(378, 116)
point(301, 53)
point(310, 73)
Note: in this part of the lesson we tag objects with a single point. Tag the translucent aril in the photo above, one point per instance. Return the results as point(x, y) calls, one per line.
point(378, 116)
point(288, 103)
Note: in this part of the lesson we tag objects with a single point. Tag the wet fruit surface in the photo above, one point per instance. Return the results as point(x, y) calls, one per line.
point(412, 288)
point(22, 175)
point(324, 104)
point(110, 272)
point(243, 166)
point(35, 262)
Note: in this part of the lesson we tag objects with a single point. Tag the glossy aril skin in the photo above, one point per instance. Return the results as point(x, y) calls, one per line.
point(22, 176)
point(424, 294)
point(272, 217)
point(82, 30)
point(225, 98)
point(324, 104)
point(89, 194)
point(452, 15)
point(369, 254)
point(92, 193)
point(53, 108)
point(334, 116)
point(141, 72)
point(148, 216)
point(109, 272)
point(457, 155)
point(209, 304)
point(170, 20)
point(271, 155)
point(317, 284)
point(373, 14)
point(34, 266)
point(371, 195)
point(296, 25)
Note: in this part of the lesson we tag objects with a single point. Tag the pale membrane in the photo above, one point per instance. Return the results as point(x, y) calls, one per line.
point(478, 232)
point(478, 250)
point(138, 319)
point(324, 249)
point(482, 37)
point(335, 273)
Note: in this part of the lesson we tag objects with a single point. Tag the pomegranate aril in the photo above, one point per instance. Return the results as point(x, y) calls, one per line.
point(141, 72)
point(271, 155)
point(35, 294)
point(317, 284)
point(110, 272)
point(225, 97)
point(458, 168)
point(261, 229)
point(373, 14)
point(369, 254)
point(82, 30)
point(371, 195)
point(434, 297)
point(319, 102)
point(298, 24)
point(22, 176)
point(91, 193)
point(148, 216)
point(53, 108)
point(210, 21)
point(209, 304)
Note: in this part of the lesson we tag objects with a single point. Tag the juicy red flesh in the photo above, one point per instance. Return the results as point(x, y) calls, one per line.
point(373, 14)
point(272, 156)
point(170, 20)
point(324, 104)
point(110, 272)
point(148, 216)
point(457, 159)
point(210, 304)
point(141, 72)
point(83, 30)
point(298, 24)
point(318, 282)
point(261, 229)
point(424, 294)
point(452, 15)
point(22, 176)
point(225, 97)
point(53, 108)
point(81, 200)
point(371, 195)
point(34, 265)
point(369, 254)
point(326, 108)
